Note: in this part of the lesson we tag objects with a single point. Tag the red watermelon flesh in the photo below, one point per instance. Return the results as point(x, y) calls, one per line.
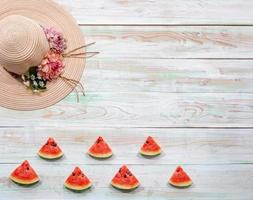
point(100, 149)
point(150, 147)
point(125, 180)
point(24, 174)
point(50, 150)
point(77, 181)
point(180, 178)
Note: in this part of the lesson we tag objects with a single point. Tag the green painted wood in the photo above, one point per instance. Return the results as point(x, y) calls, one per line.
point(160, 11)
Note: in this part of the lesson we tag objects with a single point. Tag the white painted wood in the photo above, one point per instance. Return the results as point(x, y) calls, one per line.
point(179, 146)
point(149, 76)
point(160, 11)
point(141, 110)
point(210, 182)
point(168, 75)
point(161, 42)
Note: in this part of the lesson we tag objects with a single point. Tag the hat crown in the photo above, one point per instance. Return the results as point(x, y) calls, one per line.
point(23, 43)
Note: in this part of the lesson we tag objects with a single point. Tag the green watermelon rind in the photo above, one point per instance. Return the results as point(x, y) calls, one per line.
point(24, 183)
point(150, 153)
point(49, 156)
point(100, 156)
point(184, 184)
point(76, 188)
point(125, 188)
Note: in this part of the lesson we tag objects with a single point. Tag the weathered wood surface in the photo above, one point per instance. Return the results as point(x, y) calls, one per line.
point(213, 157)
point(162, 42)
point(166, 12)
point(127, 107)
point(180, 146)
point(164, 65)
point(229, 182)
point(168, 75)
point(141, 110)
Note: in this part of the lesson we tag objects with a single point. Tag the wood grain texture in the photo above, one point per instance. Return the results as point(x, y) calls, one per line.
point(141, 110)
point(179, 146)
point(212, 157)
point(210, 182)
point(163, 42)
point(168, 75)
point(165, 66)
point(160, 11)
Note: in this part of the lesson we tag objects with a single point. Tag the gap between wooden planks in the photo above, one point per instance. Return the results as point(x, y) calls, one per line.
point(131, 107)
point(207, 42)
point(212, 157)
point(218, 61)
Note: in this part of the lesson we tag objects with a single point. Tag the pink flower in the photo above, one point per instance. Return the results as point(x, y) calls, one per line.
point(56, 40)
point(51, 66)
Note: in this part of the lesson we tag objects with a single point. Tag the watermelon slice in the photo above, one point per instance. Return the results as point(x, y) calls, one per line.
point(180, 178)
point(24, 174)
point(50, 150)
point(125, 180)
point(150, 148)
point(77, 181)
point(100, 149)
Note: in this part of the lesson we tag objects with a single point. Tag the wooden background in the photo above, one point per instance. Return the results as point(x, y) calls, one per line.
point(179, 70)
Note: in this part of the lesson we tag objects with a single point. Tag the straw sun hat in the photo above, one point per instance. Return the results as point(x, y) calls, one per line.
point(26, 28)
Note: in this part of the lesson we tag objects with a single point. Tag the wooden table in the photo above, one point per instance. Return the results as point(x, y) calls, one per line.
point(178, 70)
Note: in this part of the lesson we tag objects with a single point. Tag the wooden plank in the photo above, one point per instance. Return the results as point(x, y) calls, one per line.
point(141, 110)
point(180, 146)
point(163, 42)
point(161, 11)
point(168, 75)
point(210, 182)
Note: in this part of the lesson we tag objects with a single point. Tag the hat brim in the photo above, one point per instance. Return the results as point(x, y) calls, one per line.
point(13, 94)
